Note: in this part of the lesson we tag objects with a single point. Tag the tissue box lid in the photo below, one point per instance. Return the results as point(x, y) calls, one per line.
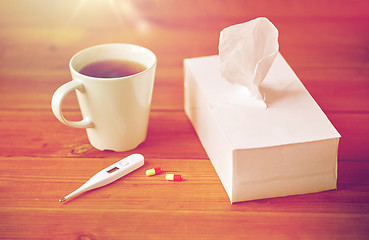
point(292, 115)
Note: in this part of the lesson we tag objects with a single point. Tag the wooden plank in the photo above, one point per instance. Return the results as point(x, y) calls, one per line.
point(36, 93)
point(41, 182)
point(333, 89)
point(93, 12)
point(170, 135)
point(350, 95)
point(31, 209)
point(354, 129)
point(337, 76)
point(122, 224)
point(329, 43)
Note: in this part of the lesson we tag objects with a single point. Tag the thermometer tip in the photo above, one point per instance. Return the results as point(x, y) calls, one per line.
point(62, 200)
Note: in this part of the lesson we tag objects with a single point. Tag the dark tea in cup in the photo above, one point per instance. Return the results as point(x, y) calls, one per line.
point(112, 68)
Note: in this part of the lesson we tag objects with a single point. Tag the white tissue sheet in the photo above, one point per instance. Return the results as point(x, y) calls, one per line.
point(246, 52)
point(289, 148)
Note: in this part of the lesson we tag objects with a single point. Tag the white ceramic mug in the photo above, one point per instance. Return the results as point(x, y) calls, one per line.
point(115, 110)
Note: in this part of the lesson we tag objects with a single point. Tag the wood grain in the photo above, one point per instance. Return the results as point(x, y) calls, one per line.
point(41, 160)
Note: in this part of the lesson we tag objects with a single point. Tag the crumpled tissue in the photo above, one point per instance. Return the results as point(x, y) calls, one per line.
point(246, 53)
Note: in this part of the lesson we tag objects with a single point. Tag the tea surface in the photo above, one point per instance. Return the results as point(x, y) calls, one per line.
point(113, 68)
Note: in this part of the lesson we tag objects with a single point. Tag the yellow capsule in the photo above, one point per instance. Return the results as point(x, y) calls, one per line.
point(153, 171)
point(173, 177)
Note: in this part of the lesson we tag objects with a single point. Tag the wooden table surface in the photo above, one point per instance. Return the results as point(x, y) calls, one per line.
point(41, 160)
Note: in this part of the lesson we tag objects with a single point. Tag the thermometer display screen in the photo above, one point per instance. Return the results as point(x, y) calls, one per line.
point(113, 170)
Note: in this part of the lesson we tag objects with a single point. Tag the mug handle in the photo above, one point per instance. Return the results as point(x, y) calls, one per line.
point(57, 101)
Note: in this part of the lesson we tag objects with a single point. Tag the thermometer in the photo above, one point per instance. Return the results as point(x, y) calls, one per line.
point(109, 175)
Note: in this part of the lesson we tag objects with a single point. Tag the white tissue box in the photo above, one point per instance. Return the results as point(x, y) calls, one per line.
point(287, 149)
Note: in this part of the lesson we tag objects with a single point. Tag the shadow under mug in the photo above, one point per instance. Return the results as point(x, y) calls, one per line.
point(115, 110)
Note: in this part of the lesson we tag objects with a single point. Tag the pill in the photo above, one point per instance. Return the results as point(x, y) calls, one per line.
point(173, 177)
point(153, 171)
